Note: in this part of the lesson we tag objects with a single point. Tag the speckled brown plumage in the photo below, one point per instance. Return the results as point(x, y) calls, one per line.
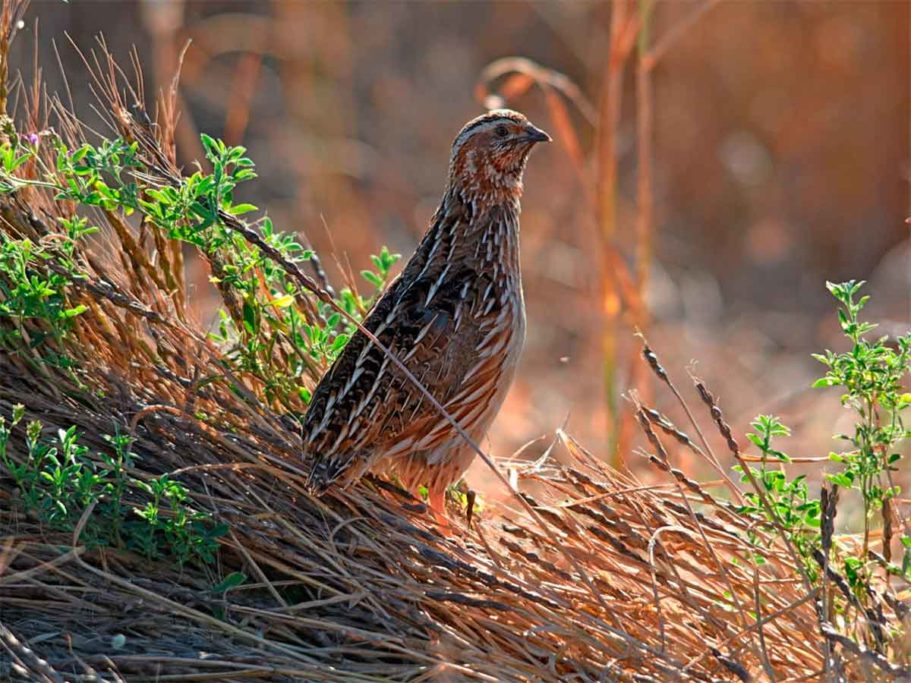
point(455, 317)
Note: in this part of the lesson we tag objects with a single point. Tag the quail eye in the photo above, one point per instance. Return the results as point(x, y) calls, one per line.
point(501, 131)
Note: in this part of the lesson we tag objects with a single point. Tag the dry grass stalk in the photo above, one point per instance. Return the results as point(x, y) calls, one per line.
point(622, 290)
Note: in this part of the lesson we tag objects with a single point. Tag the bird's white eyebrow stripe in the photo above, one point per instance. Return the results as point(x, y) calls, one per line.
point(484, 122)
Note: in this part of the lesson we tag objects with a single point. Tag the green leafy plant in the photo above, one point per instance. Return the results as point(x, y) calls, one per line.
point(269, 327)
point(60, 482)
point(383, 262)
point(788, 501)
point(871, 375)
point(31, 294)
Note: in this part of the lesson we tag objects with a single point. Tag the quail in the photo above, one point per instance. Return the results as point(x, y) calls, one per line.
point(455, 317)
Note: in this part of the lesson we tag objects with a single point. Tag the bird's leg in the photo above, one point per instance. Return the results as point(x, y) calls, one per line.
point(437, 500)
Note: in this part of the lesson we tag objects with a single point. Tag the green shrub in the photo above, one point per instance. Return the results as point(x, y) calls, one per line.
point(60, 482)
point(871, 374)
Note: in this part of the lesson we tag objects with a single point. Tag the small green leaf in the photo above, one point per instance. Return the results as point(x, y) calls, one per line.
point(844, 479)
point(76, 310)
point(756, 439)
point(249, 317)
point(232, 580)
point(283, 301)
point(372, 278)
point(240, 209)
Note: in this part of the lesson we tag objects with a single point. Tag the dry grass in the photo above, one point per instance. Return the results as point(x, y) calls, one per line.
point(607, 579)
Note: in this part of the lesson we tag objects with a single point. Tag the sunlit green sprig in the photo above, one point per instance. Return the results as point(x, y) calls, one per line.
point(269, 334)
point(873, 375)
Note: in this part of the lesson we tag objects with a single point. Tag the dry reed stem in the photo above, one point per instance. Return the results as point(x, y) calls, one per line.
point(630, 26)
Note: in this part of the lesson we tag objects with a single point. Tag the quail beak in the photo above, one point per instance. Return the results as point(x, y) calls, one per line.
point(535, 134)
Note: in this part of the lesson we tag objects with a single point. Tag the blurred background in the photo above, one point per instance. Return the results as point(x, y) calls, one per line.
point(777, 135)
